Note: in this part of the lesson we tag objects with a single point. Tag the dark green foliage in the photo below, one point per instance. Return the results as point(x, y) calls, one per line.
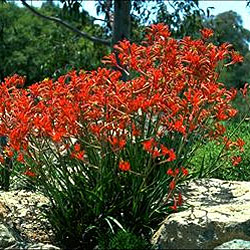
point(228, 28)
point(183, 17)
point(122, 240)
point(38, 49)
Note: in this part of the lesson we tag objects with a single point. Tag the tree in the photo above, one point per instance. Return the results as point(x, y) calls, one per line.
point(228, 27)
point(117, 16)
point(78, 49)
point(183, 17)
point(37, 49)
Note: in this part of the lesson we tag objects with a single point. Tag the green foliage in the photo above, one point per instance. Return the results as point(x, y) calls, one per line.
point(183, 17)
point(206, 162)
point(122, 240)
point(88, 199)
point(228, 27)
point(37, 48)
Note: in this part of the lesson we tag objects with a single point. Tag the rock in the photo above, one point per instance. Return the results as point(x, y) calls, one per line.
point(6, 238)
point(22, 209)
point(217, 212)
point(21, 223)
point(41, 246)
point(235, 244)
point(27, 246)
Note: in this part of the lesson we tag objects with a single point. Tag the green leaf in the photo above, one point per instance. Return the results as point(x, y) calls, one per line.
point(115, 221)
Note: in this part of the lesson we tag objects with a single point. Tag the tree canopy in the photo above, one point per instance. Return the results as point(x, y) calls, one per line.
point(228, 27)
point(37, 49)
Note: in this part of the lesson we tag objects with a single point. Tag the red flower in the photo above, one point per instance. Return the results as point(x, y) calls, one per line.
point(117, 142)
point(164, 150)
point(176, 172)
point(206, 33)
point(221, 115)
point(172, 185)
point(30, 173)
point(228, 142)
point(220, 129)
point(180, 200)
point(170, 172)
point(178, 126)
point(149, 145)
point(156, 153)
point(20, 157)
point(236, 57)
point(135, 131)
point(78, 155)
point(77, 147)
point(240, 143)
point(1, 159)
point(232, 112)
point(236, 160)
point(174, 207)
point(121, 143)
point(172, 155)
point(244, 90)
point(184, 171)
point(9, 152)
point(124, 165)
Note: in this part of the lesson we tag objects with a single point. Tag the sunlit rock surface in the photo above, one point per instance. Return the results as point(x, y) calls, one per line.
point(217, 212)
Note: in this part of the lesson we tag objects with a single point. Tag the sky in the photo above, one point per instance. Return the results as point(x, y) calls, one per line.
point(238, 6)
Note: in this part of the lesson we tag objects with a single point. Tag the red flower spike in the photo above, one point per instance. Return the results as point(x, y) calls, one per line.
point(149, 145)
point(170, 172)
point(176, 81)
point(172, 155)
point(77, 147)
point(184, 171)
point(164, 150)
point(20, 157)
point(174, 207)
point(29, 173)
point(236, 160)
point(124, 166)
point(180, 200)
point(172, 185)
point(206, 33)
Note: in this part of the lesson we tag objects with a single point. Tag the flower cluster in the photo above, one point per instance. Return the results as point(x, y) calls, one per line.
point(172, 88)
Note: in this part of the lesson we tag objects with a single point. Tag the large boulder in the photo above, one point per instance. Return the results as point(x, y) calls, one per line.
point(235, 244)
point(6, 237)
point(22, 225)
point(216, 212)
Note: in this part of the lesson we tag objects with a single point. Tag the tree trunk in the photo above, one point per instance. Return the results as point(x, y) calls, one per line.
point(121, 27)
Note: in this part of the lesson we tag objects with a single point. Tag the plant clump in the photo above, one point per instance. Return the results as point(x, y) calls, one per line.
point(109, 153)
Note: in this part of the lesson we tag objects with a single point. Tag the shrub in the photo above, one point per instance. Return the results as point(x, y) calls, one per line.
point(108, 153)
